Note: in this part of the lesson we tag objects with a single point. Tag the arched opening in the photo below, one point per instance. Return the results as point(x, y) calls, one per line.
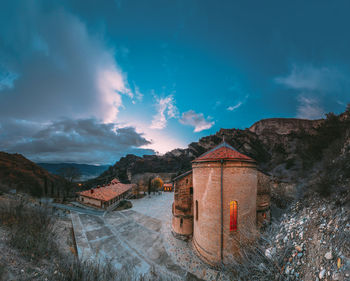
point(233, 215)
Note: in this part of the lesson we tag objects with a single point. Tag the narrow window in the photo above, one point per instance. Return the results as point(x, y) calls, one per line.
point(196, 210)
point(191, 190)
point(181, 222)
point(233, 215)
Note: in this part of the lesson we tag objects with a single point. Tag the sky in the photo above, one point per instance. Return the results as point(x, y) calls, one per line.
point(90, 81)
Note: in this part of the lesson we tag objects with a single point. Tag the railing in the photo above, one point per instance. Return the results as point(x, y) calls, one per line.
point(115, 204)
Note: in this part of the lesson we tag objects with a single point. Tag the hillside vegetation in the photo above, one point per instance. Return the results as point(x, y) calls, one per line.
point(291, 150)
point(21, 174)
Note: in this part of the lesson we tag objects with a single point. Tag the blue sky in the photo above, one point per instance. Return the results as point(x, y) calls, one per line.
point(90, 81)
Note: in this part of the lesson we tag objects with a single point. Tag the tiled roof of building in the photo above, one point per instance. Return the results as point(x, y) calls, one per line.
point(182, 175)
point(107, 192)
point(168, 185)
point(223, 152)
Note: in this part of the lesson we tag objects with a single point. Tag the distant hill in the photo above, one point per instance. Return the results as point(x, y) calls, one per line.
point(87, 171)
point(17, 172)
point(292, 150)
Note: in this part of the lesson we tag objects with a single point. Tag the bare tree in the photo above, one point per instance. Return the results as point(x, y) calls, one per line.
point(71, 174)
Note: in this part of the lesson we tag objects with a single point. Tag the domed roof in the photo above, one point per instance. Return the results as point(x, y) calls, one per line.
point(223, 151)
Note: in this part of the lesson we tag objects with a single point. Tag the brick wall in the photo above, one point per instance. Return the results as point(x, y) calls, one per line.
point(239, 184)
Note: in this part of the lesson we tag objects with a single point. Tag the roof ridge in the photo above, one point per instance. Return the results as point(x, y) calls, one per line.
point(228, 152)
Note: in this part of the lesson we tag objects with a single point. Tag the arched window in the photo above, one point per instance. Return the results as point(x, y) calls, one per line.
point(181, 222)
point(233, 215)
point(196, 210)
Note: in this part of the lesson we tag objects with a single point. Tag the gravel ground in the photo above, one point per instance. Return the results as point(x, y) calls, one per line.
point(319, 231)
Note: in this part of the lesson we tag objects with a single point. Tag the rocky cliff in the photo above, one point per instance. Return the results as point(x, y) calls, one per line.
point(289, 149)
point(285, 126)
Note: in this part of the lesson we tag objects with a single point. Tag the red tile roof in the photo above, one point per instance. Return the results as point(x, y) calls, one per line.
point(223, 152)
point(168, 185)
point(108, 192)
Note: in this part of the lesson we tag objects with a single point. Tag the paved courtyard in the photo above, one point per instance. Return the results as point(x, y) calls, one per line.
point(139, 236)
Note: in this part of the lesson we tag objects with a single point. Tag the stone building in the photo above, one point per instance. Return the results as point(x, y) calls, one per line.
point(182, 209)
point(218, 203)
point(106, 196)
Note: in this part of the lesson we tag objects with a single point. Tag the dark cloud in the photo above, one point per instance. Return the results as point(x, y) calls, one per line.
point(68, 140)
point(52, 66)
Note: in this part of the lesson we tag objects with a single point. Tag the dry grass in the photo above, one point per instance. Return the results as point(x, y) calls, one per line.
point(31, 232)
point(31, 228)
point(251, 262)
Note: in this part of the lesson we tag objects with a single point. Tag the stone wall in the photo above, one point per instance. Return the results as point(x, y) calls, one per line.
point(182, 222)
point(90, 201)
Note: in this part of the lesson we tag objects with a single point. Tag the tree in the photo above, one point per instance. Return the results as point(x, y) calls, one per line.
point(71, 174)
point(157, 184)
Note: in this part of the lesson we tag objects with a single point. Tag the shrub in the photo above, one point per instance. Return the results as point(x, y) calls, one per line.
point(324, 186)
point(2, 270)
point(290, 163)
point(31, 228)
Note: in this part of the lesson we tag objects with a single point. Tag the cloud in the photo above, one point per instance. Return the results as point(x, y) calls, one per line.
point(52, 66)
point(308, 77)
point(196, 120)
point(7, 79)
point(309, 108)
point(68, 140)
point(234, 107)
point(166, 109)
point(314, 87)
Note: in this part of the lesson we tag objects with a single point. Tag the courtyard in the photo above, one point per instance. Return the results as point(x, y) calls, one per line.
point(141, 237)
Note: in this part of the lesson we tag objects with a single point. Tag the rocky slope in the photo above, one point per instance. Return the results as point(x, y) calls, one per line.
point(17, 172)
point(285, 126)
point(315, 234)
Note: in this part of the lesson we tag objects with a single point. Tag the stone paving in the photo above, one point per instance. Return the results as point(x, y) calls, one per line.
point(140, 236)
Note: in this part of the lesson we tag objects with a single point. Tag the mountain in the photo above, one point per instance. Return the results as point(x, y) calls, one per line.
point(17, 172)
point(86, 171)
point(291, 150)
